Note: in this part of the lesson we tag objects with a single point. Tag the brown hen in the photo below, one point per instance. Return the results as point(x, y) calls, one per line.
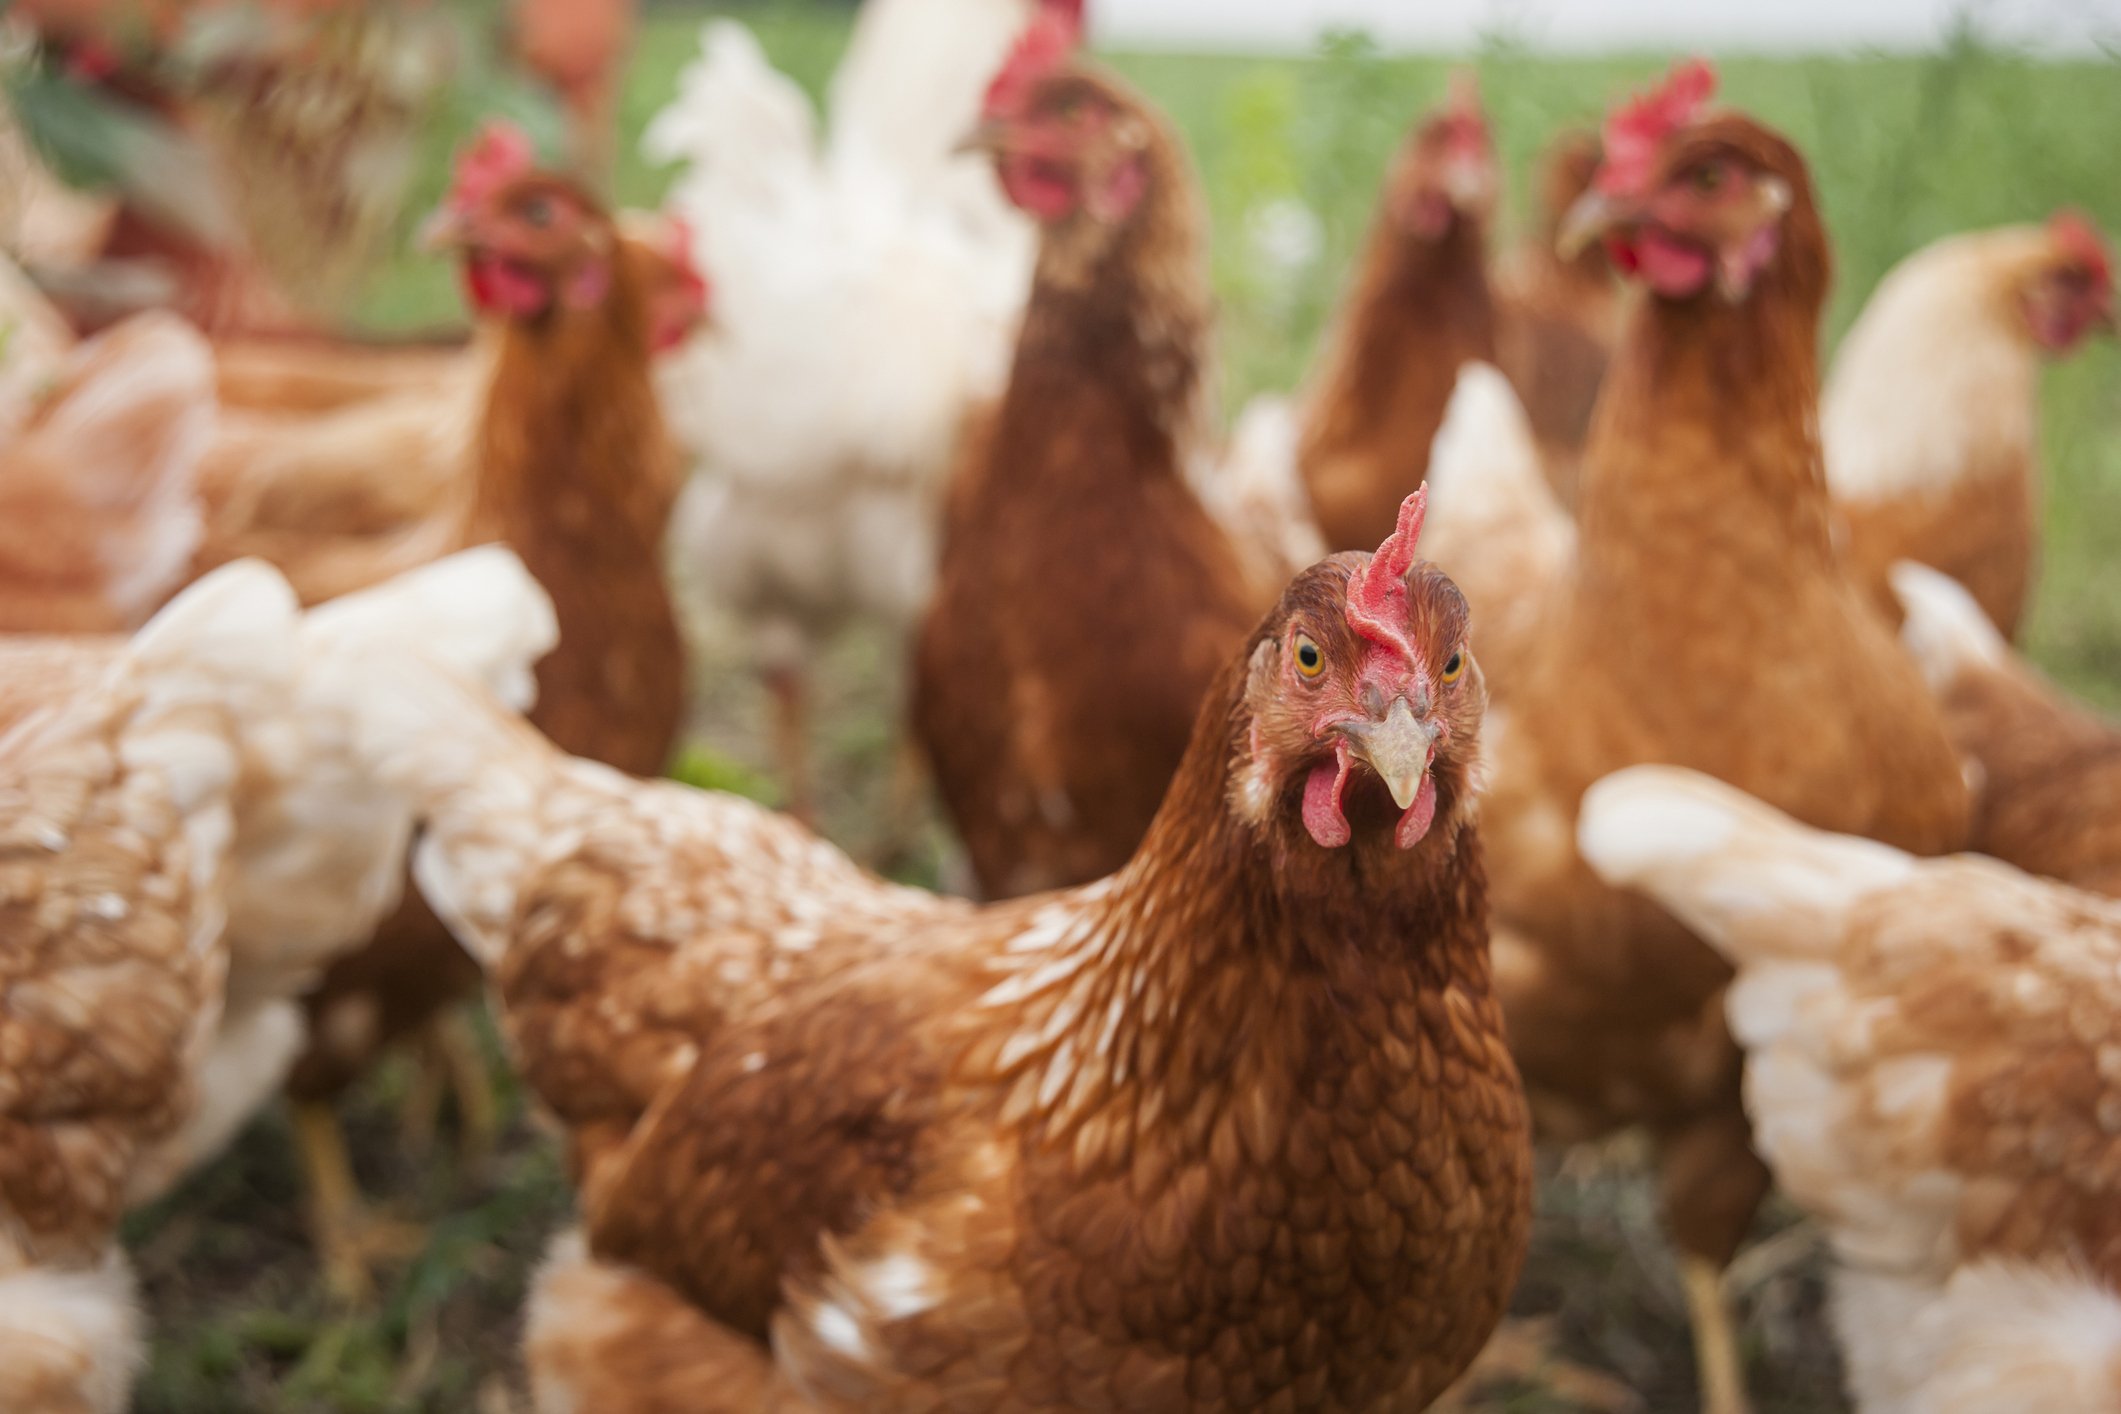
point(1417, 308)
point(1085, 599)
point(1705, 621)
point(1931, 418)
point(1232, 1128)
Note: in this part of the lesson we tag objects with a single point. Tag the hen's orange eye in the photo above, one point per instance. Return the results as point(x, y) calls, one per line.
point(1454, 667)
point(1309, 660)
point(1708, 176)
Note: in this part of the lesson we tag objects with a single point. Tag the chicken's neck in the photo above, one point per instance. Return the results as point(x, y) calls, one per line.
point(1237, 975)
point(1418, 310)
point(572, 443)
point(1706, 439)
point(1121, 342)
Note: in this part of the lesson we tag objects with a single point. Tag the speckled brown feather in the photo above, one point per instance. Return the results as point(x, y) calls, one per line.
point(110, 979)
point(1085, 599)
point(1413, 313)
point(1234, 1128)
point(1708, 624)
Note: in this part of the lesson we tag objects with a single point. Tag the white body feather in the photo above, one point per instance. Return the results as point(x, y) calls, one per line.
point(866, 298)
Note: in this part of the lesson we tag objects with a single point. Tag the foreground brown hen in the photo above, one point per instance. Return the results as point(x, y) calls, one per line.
point(1085, 599)
point(1233, 1128)
point(1417, 308)
point(1705, 621)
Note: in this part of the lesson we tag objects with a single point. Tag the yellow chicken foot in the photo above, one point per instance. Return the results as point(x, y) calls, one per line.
point(349, 1239)
point(1722, 1373)
point(448, 1060)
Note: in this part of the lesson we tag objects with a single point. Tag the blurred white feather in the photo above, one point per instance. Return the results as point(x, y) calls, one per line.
point(866, 297)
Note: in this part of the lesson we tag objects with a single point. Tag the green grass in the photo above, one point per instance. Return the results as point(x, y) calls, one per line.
point(1903, 151)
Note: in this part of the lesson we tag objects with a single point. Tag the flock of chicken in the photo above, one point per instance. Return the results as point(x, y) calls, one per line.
point(1314, 883)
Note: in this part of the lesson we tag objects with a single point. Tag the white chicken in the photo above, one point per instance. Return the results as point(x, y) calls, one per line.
point(867, 292)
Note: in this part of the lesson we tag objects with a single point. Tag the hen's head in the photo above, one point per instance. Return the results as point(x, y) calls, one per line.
point(2069, 292)
point(1071, 145)
point(1688, 198)
point(1445, 171)
point(531, 241)
point(1362, 700)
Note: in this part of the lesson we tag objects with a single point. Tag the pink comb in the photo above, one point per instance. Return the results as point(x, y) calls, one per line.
point(499, 154)
point(1465, 120)
point(1378, 604)
point(1042, 48)
point(1638, 128)
point(2078, 240)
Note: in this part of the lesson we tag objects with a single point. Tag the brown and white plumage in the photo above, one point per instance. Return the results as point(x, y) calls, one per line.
point(2047, 770)
point(99, 510)
point(1930, 1070)
point(1930, 419)
point(1234, 1126)
point(116, 819)
point(316, 857)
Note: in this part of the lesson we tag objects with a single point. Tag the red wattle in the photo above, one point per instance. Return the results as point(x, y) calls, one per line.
point(1322, 791)
point(1419, 816)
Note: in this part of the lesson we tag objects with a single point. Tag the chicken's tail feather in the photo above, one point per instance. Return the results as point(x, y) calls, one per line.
point(1751, 881)
point(1946, 631)
point(475, 774)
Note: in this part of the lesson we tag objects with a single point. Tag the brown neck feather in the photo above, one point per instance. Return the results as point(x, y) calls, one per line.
point(1116, 331)
point(1414, 303)
point(571, 412)
point(1226, 959)
point(1710, 411)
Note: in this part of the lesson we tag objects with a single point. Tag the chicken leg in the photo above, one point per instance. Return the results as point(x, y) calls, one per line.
point(790, 687)
point(349, 1239)
point(449, 1061)
point(1716, 1358)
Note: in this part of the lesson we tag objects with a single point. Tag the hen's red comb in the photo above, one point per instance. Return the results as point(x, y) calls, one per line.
point(1464, 119)
point(1042, 48)
point(1378, 603)
point(2078, 240)
point(499, 154)
point(1639, 127)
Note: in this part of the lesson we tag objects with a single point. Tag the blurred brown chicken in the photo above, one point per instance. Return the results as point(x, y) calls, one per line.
point(558, 450)
point(1085, 598)
point(1416, 309)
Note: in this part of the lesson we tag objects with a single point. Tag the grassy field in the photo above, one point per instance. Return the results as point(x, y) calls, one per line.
point(1903, 151)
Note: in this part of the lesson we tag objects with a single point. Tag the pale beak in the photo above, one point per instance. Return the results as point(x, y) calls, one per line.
point(1397, 749)
point(989, 135)
point(445, 230)
point(1468, 183)
point(1594, 214)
